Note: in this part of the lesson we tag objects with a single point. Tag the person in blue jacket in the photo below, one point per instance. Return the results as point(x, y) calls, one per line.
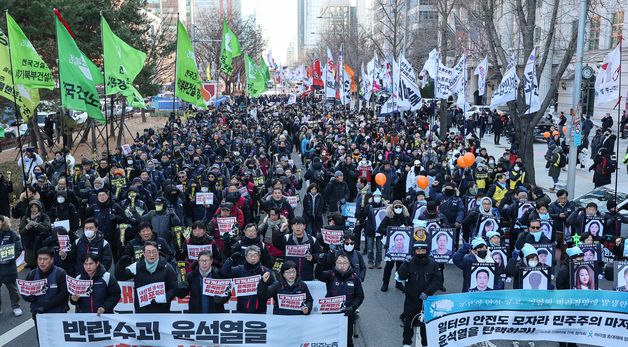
point(476, 252)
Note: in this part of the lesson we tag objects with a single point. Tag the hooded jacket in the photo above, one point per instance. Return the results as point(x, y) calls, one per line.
point(394, 220)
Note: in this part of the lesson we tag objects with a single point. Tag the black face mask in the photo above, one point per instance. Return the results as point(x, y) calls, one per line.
point(482, 254)
point(449, 192)
point(420, 255)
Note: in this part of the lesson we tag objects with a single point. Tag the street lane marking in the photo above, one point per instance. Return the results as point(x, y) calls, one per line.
point(16, 332)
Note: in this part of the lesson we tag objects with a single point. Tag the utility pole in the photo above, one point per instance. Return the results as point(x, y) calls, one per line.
point(575, 102)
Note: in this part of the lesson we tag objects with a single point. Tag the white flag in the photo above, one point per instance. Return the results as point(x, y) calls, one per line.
point(407, 87)
point(341, 76)
point(392, 104)
point(271, 61)
point(329, 76)
point(459, 84)
point(367, 84)
point(372, 70)
point(531, 84)
point(507, 90)
point(482, 71)
point(431, 63)
point(607, 80)
point(443, 81)
point(346, 87)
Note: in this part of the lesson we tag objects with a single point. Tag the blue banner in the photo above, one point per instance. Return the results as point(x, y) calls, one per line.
point(593, 317)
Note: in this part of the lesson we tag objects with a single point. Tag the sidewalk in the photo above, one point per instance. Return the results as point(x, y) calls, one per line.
point(584, 178)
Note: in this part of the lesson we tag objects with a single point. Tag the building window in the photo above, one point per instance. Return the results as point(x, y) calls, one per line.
point(427, 15)
point(617, 27)
point(594, 33)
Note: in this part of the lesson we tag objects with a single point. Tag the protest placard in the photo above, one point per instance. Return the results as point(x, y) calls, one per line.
point(194, 250)
point(82, 288)
point(297, 250)
point(34, 288)
point(293, 302)
point(216, 287)
point(332, 304)
point(205, 198)
point(154, 291)
point(246, 286)
point(225, 224)
point(332, 237)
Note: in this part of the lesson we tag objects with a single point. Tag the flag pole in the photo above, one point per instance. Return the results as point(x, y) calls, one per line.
point(174, 91)
point(15, 108)
point(65, 160)
point(621, 38)
point(104, 74)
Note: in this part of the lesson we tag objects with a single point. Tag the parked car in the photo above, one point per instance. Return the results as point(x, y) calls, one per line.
point(476, 108)
point(542, 126)
point(600, 196)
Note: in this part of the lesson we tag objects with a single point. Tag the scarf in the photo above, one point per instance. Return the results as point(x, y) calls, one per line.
point(151, 267)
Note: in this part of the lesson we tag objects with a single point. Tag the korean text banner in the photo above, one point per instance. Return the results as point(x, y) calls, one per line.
point(598, 318)
point(66, 330)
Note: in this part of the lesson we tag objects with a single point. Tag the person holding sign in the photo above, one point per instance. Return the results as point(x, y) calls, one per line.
point(532, 235)
point(422, 278)
point(529, 258)
point(53, 297)
point(198, 240)
point(373, 237)
point(250, 272)
point(574, 254)
point(299, 247)
point(476, 252)
point(396, 215)
point(249, 237)
point(202, 300)
point(155, 280)
point(10, 249)
point(291, 295)
point(104, 293)
point(343, 281)
point(578, 218)
point(34, 228)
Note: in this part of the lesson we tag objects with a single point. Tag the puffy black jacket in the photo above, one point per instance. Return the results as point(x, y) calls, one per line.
point(55, 300)
point(250, 303)
point(194, 287)
point(265, 291)
point(105, 292)
point(421, 276)
point(135, 248)
point(347, 284)
point(305, 268)
point(141, 277)
point(334, 193)
point(98, 246)
point(8, 270)
point(394, 220)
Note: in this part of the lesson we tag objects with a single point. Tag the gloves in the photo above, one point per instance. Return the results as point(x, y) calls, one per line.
point(349, 311)
point(423, 296)
point(235, 256)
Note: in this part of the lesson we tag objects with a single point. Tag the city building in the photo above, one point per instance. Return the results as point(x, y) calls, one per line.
point(308, 24)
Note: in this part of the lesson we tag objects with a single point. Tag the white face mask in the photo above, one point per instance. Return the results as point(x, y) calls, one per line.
point(60, 199)
point(377, 199)
point(398, 210)
point(349, 248)
point(204, 189)
point(89, 233)
point(533, 262)
point(130, 162)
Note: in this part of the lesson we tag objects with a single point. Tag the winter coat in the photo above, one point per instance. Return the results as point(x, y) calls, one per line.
point(55, 300)
point(108, 215)
point(421, 276)
point(98, 246)
point(8, 269)
point(394, 220)
point(335, 193)
point(463, 259)
point(305, 268)
point(141, 277)
point(347, 284)
point(105, 292)
point(6, 188)
point(391, 180)
point(135, 248)
point(313, 210)
point(554, 160)
point(162, 223)
point(369, 224)
point(250, 303)
point(279, 287)
point(193, 285)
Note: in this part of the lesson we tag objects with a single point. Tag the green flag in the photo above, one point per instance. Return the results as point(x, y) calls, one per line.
point(255, 81)
point(229, 49)
point(25, 98)
point(1, 132)
point(122, 62)
point(188, 82)
point(78, 76)
point(29, 69)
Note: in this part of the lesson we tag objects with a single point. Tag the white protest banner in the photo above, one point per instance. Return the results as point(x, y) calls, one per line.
point(194, 250)
point(293, 302)
point(62, 223)
point(507, 90)
point(577, 316)
point(225, 224)
point(408, 88)
point(444, 81)
point(185, 330)
point(154, 291)
point(297, 250)
point(34, 288)
point(64, 242)
point(293, 201)
point(332, 304)
point(329, 76)
point(607, 79)
point(204, 198)
point(531, 84)
point(332, 237)
point(482, 71)
point(7, 253)
point(216, 287)
point(246, 286)
point(79, 287)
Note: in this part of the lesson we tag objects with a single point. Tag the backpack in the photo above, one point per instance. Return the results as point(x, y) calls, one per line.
point(562, 161)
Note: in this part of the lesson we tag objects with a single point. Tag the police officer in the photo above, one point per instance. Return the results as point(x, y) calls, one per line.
point(422, 279)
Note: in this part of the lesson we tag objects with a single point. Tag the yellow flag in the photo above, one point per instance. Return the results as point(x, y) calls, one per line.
point(208, 74)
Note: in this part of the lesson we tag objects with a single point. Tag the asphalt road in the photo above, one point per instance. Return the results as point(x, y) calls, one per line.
point(379, 323)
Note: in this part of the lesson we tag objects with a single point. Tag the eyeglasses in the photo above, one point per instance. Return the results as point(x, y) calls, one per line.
point(534, 227)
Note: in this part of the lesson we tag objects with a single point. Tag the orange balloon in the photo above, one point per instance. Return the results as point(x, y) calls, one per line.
point(564, 130)
point(422, 182)
point(380, 179)
point(460, 162)
point(555, 132)
point(547, 134)
point(469, 158)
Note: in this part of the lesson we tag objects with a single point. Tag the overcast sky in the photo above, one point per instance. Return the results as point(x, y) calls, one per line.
point(278, 19)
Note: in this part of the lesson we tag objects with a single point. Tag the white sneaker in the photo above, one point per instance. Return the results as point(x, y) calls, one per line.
point(17, 312)
point(407, 345)
point(531, 344)
point(515, 344)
